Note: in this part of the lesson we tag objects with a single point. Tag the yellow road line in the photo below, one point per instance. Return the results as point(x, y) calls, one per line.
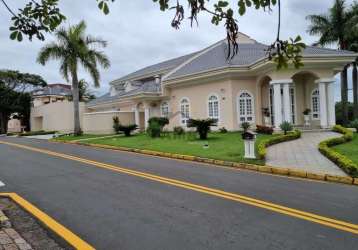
point(56, 227)
point(329, 222)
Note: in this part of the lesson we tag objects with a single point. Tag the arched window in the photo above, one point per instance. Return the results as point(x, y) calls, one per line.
point(184, 111)
point(164, 109)
point(213, 107)
point(246, 107)
point(315, 104)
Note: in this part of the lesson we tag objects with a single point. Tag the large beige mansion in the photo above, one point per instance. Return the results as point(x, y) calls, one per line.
point(204, 84)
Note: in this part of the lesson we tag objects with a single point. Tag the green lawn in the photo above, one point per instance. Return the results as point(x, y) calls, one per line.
point(349, 149)
point(228, 147)
point(75, 138)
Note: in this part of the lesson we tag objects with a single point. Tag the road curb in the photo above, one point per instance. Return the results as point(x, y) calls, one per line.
point(252, 167)
point(49, 222)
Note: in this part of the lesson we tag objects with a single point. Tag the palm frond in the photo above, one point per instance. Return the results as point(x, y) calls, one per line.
point(50, 51)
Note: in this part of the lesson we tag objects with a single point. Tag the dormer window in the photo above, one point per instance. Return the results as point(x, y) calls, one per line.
point(113, 91)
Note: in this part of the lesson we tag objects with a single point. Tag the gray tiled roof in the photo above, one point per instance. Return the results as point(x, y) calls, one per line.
point(148, 87)
point(247, 55)
point(166, 65)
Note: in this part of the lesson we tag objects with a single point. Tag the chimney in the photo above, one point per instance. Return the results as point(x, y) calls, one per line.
point(157, 79)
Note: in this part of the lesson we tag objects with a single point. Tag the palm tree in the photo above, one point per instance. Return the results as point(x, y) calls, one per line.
point(73, 49)
point(335, 27)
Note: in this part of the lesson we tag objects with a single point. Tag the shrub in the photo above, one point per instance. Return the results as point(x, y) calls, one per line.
point(354, 124)
point(261, 148)
point(245, 126)
point(40, 132)
point(306, 112)
point(264, 130)
point(178, 130)
point(223, 130)
point(154, 129)
point(286, 126)
point(116, 124)
point(127, 129)
point(162, 121)
point(202, 126)
point(346, 164)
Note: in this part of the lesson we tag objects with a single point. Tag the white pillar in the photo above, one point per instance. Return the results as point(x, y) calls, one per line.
point(146, 115)
point(136, 116)
point(286, 103)
point(277, 103)
point(323, 104)
point(330, 104)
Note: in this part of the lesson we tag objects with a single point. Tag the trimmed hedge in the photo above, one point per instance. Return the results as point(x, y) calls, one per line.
point(346, 164)
point(275, 140)
point(41, 132)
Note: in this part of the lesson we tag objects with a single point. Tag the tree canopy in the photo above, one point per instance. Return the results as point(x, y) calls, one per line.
point(37, 18)
point(15, 95)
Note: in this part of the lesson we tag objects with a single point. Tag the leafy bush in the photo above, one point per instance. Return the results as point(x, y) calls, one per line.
point(202, 126)
point(286, 126)
point(116, 124)
point(245, 126)
point(306, 112)
point(275, 140)
point(346, 164)
point(178, 130)
point(339, 112)
point(354, 124)
point(154, 129)
point(223, 130)
point(162, 121)
point(264, 130)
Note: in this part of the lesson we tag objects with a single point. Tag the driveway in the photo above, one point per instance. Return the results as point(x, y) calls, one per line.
point(122, 200)
point(303, 154)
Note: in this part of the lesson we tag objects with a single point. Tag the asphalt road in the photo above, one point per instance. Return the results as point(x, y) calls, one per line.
point(114, 210)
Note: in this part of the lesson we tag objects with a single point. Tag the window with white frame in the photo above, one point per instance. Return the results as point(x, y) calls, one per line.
point(246, 107)
point(315, 104)
point(213, 107)
point(184, 111)
point(164, 109)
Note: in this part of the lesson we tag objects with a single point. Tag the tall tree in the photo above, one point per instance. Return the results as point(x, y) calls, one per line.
point(335, 27)
point(14, 95)
point(73, 49)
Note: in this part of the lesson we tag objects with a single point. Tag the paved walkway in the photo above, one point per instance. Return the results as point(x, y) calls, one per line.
point(303, 154)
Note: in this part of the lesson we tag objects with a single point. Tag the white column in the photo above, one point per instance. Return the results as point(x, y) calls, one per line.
point(277, 108)
point(286, 103)
point(330, 105)
point(136, 116)
point(146, 115)
point(323, 104)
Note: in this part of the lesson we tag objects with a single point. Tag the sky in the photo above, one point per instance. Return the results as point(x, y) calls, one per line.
point(139, 34)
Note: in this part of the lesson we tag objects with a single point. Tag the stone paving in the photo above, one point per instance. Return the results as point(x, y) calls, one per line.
point(303, 154)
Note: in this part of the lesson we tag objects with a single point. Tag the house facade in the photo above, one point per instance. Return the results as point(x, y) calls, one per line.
point(205, 84)
point(52, 109)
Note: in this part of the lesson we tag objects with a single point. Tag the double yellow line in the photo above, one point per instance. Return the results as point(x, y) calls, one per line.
point(329, 222)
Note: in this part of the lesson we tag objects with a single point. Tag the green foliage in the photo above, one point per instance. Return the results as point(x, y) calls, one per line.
point(264, 130)
point(275, 140)
point(325, 147)
point(39, 17)
point(306, 112)
point(116, 124)
point(286, 126)
point(162, 121)
point(223, 130)
point(202, 126)
point(339, 112)
point(178, 130)
point(245, 126)
point(354, 124)
point(154, 129)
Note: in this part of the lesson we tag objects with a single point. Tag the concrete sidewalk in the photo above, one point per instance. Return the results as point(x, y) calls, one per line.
point(303, 154)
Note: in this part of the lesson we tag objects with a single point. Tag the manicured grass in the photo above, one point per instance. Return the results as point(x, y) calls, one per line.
point(227, 147)
point(75, 138)
point(349, 149)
